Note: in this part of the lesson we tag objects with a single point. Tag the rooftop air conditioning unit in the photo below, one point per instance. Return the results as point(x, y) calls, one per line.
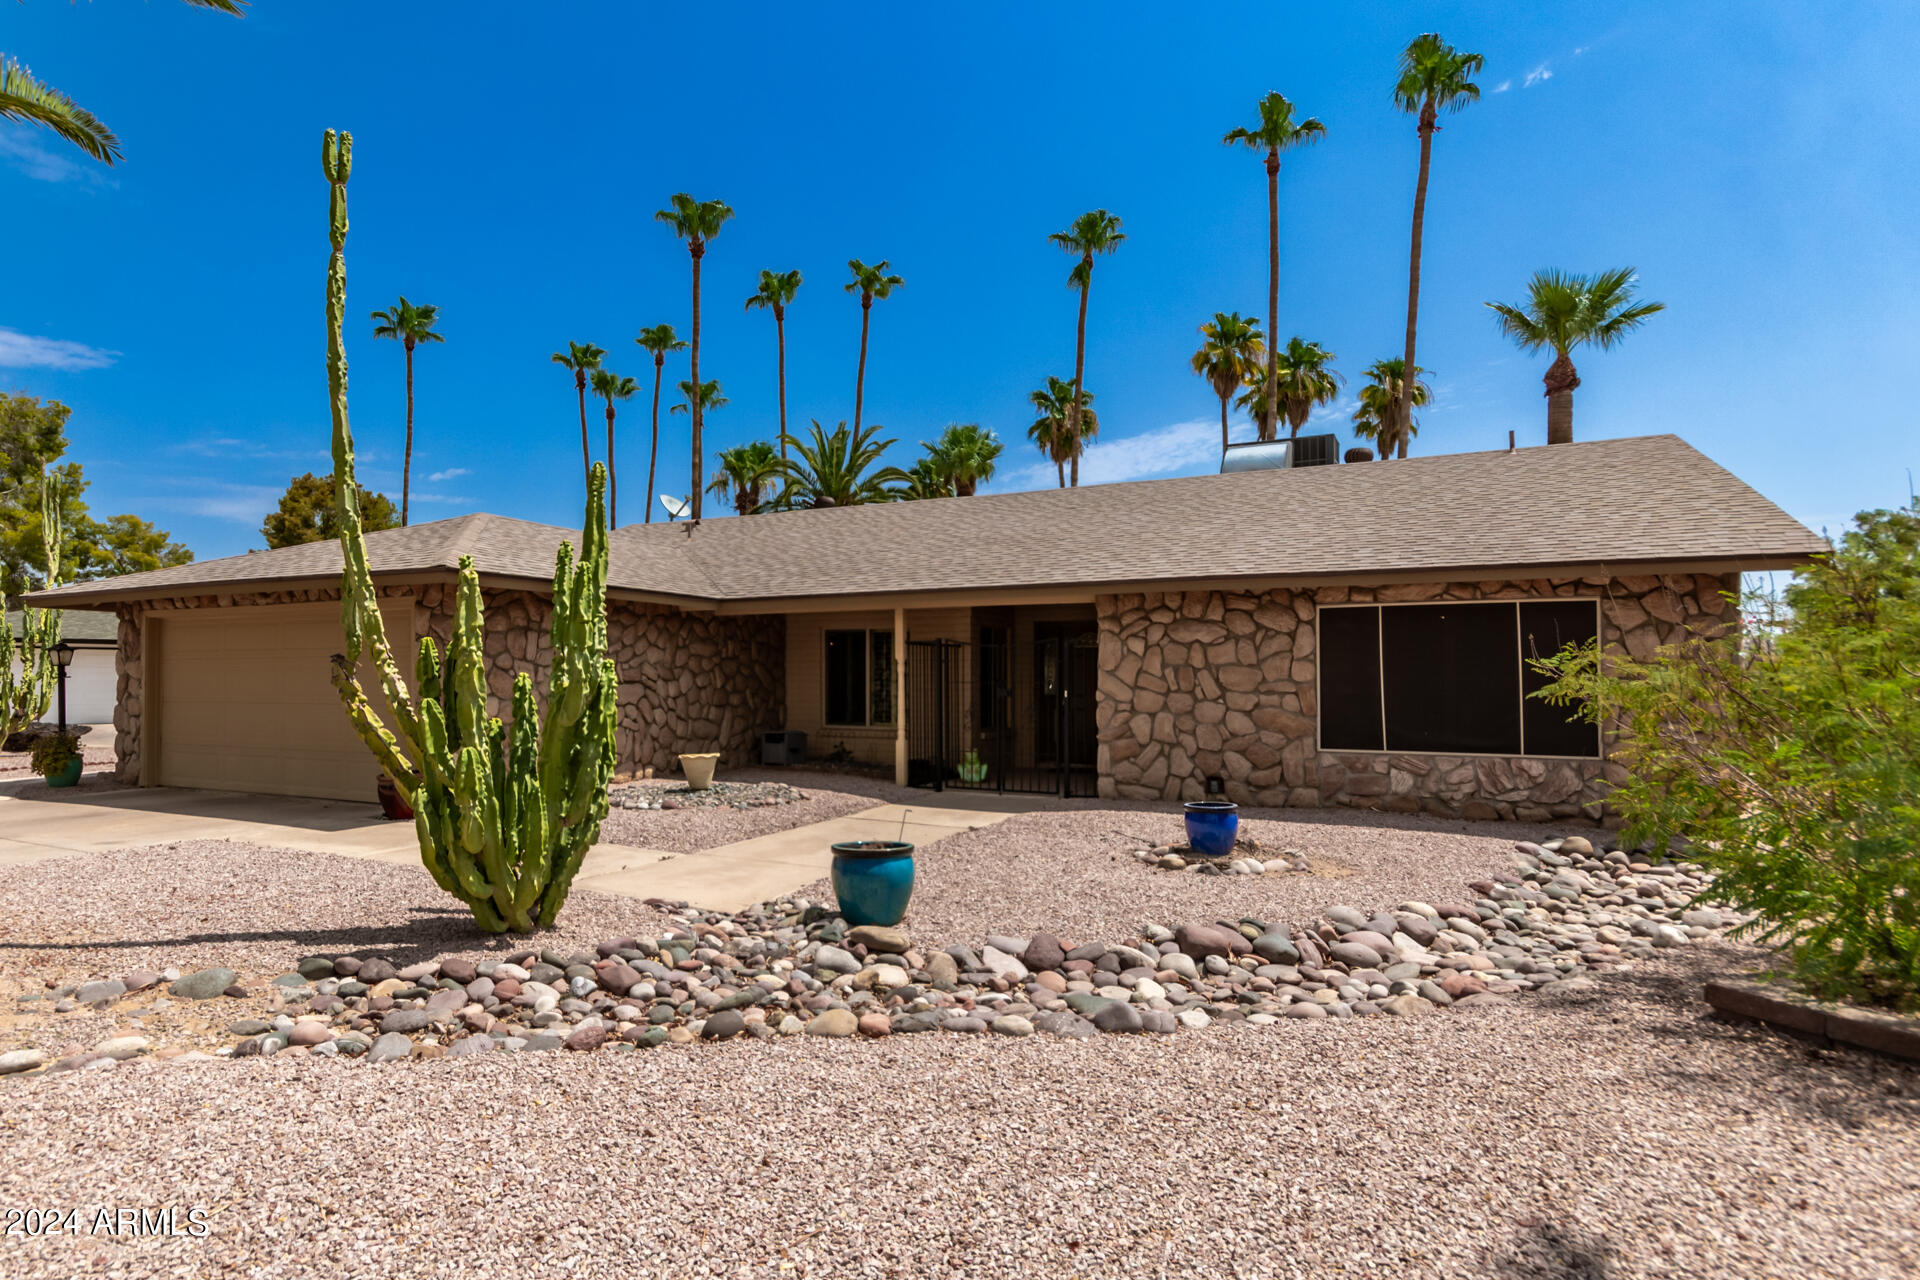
point(1316, 451)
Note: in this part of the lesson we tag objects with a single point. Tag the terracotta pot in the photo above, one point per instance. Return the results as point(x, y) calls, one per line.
point(392, 803)
point(698, 768)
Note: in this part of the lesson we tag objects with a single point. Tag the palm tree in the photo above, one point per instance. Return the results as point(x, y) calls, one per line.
point(927, 478)
point(581, 358)
point(1050, 431)
point(610, 386)
point(1382, 416)
point(1277, 131)
point(1091, 233)
point(411, 326)
point(831, 470)
point(869, 282)
point(965, 454)
point(1434, 77)
point(1229, 352)
point(696, 222)
point(710, 399)
point(24, 98)
point(1564, 311)
point(776, 291)
point(745, 471)
point(1304, 381)
point(658, 340)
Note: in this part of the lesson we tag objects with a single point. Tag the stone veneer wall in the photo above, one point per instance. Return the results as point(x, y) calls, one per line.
point(687, 681)
point(1207, 683)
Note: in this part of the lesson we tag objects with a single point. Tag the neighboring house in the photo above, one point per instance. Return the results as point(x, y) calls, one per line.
point(1348, 634)
point(91, 676)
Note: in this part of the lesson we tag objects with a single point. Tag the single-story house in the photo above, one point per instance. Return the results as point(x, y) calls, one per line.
point(92, 676)
point(1350, 634)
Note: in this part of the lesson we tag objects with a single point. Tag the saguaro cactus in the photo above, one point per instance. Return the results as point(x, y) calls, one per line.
point(26, 693)
point(504, 816)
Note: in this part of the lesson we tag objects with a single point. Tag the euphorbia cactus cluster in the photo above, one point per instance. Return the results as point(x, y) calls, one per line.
point(25, 693)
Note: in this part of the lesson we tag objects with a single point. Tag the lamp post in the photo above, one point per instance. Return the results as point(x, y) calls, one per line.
point(62, 659)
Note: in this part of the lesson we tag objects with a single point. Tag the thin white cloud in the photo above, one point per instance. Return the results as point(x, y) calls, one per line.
point(1180, 448)
point(1538, 75)
point(1503, 86)
point(22, 152)
point(449, 474)
point(444, 499)
point(228, 448)
point(29, 351)
point(218, 499)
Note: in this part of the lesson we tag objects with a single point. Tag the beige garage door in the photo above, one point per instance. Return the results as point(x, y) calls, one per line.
point(246, 702)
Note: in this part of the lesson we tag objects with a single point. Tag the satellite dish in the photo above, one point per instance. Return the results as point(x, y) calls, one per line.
point(676, 507)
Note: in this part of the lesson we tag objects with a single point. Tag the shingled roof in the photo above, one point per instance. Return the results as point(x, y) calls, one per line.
point(1651, 500)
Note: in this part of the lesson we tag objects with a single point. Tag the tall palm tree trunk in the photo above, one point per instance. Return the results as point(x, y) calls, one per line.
point(1404, 410)
point(406, 467)
point(1079, 367)
point(613, 483)
point(1060, 469)
point(860, 376)
point(653, 450)
point(1270, 419)
point(780, 342)
point(1561, 379)
point(1223, 426)
point(586, 450)
point(696, 249)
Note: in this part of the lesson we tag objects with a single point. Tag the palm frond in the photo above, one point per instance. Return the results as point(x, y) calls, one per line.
point(24, 98)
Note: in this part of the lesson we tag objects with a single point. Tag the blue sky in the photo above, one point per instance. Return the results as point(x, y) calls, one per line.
point(1756, 163)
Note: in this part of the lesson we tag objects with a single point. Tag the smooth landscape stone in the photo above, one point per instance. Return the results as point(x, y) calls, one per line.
point(1345, 915)
point(967, 1025)
point(248, 1027)
point(1304, 1009)
point(836, 960)
point(588, 1037)
point(1193, 1019)
point(203, 985)
point(723, 1025)
point(1202, 941)
point(406, 1020)
point(838, 1023)
point(1407, 1006)
point(390, 1047)
point(1002, 964)
point(309, 1033)
point(1010, 1024)
point(473, 1047)
point(1043, 951)
point(1276, 948)
point(97, 992)
point(875, 1025)
point(1068, 1026)
point(913, 1023)
point(21, 1060)
point(1158, 1022)
point(1117, 1017)
point(880, 938)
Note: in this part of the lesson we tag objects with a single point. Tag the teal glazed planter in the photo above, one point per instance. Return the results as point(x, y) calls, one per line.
point(1212, 826)
point(66, 777)
point(873, 879)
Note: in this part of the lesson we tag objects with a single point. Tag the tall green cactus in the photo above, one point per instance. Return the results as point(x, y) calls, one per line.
point(25, 694)
point(504, 816)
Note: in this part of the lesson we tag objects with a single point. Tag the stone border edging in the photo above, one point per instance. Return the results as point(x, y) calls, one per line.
point(1822, 1020)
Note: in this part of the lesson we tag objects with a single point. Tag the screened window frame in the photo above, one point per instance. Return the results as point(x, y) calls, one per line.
point(1519, 633)
point(866, 683)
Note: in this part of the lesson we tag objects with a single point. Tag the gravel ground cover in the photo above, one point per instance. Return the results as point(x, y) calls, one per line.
point(1617, 1133)
point(692, 827)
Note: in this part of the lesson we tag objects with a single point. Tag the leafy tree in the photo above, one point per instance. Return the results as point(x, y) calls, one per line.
point(1050, 432)
point(657, 341)
point(26, 99)
point(1564, 311)
point(1305, 381)
point(776, 292)
point(836, 469)
point(965, 455)
point(410, 326)
point(696, 222)
point(309, 513)
point(1230, 351)
point(1790, 760)
point(123, 544)
point(1385, 410)
point(869, 282)
point(1434, 77)
point(746, 472)
point(1277, 131)
point(581, 359)
point(610, 386)
point(1095, 232)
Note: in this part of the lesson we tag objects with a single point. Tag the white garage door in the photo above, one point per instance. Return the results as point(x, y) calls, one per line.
point(246, 702)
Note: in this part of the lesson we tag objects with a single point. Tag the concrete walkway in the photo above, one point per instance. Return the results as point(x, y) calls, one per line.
point(37, 823)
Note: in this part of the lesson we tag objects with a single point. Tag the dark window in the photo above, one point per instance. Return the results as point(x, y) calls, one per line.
point(994, 679)
point(881, 703)
point(1350, 679)
point(1546, 627)
point(846, 677)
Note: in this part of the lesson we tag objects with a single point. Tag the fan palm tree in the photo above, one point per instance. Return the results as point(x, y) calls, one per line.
point(965, 454)
point(1304, 382)
point(1230, 350)
point(1277, 131)
point(696, 222)
point(1434, 77)
point(776, 293)
point(1564, 311)
point(1385, 409)
point(832, 469)
point(581, 359)
point(926, 478)
point(657, 341)
point(710, 397)
point(745, 471)
point(1095, 232)
point(410, 326)
point(1050, 432)
point(26, 99)
point(869, 282)
point(610, 386)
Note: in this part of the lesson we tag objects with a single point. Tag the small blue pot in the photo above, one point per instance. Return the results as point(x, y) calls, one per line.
point(67, 775)
point(1211, 827)
point(873, 879)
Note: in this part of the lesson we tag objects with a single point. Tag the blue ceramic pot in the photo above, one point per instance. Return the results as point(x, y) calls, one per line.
point(67, 776)
point(1211, 827)
point(873, 880)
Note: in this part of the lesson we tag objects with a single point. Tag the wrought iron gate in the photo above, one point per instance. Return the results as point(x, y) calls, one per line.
point(990, 717)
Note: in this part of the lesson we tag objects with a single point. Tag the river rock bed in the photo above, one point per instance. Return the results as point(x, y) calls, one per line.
point(1248, 859)
point(719, 795)
point(1562, 914)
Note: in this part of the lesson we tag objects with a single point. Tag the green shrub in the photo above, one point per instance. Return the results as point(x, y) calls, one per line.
point(53, 752)
point(1791, 759)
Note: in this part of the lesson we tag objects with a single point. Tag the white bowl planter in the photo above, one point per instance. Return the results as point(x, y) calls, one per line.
point(698, 768)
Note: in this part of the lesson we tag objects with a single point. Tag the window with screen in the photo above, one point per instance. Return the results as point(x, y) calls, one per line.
point(881, 676)
point(1449, 678)
point(860, 675)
